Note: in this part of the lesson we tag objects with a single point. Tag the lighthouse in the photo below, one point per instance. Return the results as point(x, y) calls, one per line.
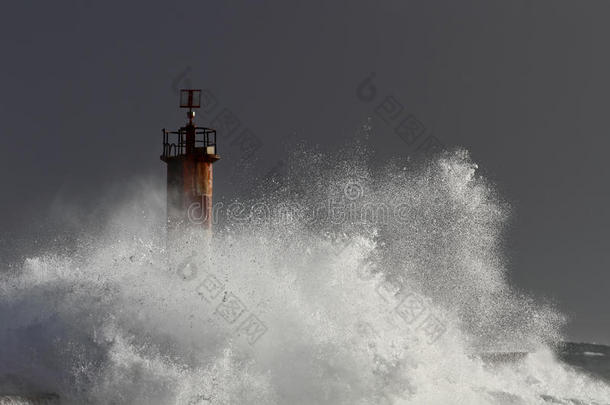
point(189, 153)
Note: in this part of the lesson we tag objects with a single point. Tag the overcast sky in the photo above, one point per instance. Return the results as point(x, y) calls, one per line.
point(523, 85)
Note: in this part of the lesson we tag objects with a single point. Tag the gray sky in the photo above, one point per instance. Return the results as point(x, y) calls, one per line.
point(522, 85)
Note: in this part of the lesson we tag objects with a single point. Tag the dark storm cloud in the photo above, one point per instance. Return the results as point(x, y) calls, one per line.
point(86, 89)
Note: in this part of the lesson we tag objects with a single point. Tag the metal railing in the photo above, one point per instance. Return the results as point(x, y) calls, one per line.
point(204, 137)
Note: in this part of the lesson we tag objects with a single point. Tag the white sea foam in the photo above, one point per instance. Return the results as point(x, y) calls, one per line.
point(593, 354)
point(317, 295)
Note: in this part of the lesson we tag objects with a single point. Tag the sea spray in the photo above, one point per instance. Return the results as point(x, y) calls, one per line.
point(338, 284)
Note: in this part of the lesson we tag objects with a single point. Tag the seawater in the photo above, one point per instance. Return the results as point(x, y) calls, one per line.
point(338, 283)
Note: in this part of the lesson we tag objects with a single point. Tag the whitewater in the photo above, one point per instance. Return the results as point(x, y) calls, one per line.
point(336, 283)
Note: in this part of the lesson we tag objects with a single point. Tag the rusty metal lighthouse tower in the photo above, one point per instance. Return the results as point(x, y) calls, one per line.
point(189, 154)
